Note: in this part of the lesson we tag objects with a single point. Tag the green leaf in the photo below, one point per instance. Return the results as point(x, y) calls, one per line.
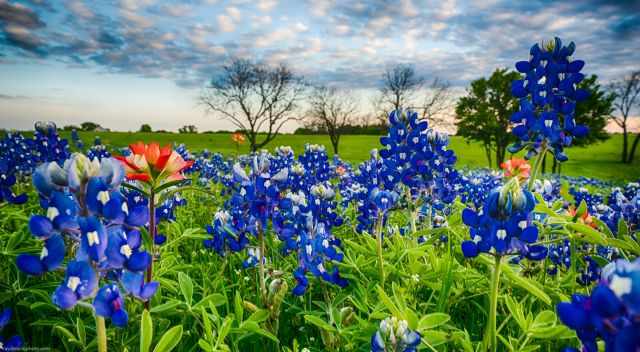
point(252, 326)
point(146, 331)
point(314, 320)
point(132, 187)
point(165, 306)
point(259, 315)
point(528, 285)
point(186, 287)
point(588, 233)
point(205, 345)
point(239, 309)
point(623, 229)
point(432, 320)
point(224, 330)
point(169, 340)
point(66, 333)
point(80, 330)
point(434, 338)
point(386, 300)
point(582, 209)
point(216, 298)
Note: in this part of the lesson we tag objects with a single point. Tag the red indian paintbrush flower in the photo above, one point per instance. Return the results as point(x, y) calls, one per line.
point(516, 167)
point(151, 163)
point(237, 138)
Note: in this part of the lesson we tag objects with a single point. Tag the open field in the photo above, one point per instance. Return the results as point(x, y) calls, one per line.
point(599, 160)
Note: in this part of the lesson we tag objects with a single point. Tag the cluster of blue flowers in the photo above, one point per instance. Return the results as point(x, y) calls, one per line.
point(14, 342)
point(297, 202)
point(610, 313)
point(548, 97)
point(504, 224)
point(19, 156)
point(48, 145)
point(84, 206)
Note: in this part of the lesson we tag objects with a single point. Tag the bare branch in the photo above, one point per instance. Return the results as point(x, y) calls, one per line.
point(254, 97)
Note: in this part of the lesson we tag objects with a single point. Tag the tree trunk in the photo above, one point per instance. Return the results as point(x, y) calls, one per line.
point(334, 142)
point(500, 150)
point(487, 151)
point(632, 152)
point(625, 143)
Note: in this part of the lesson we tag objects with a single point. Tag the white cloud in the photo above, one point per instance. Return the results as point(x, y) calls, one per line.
point(342, 29)
point(301, 27)
point(321, 8)
point(408, 9)
point(80, 9)
point(280, 35)
point(267, 5)
point(234, 13)
point(225, 23)
point(177, 10)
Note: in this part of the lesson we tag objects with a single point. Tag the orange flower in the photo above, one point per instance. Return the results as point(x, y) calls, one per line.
point(237, 138)
point(584, 218)
point(516, 167)
point(153, 164)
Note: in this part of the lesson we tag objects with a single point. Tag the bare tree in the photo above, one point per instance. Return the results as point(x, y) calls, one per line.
point(256, 98)
point(626, 91)
point(331, 110)
point(400, 84)
point(437, 104)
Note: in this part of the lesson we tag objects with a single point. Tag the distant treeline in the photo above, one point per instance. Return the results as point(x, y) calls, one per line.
point(349, 129)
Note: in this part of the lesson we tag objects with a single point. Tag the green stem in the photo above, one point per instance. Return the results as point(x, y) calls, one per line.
point(379, 247)
point(263, 285)
point(152, 236)
point(536, 168)
point(101, 331)
point(492, 342)
point(412, 212)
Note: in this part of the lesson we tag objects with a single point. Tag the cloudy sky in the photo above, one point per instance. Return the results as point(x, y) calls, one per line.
point(122, 63)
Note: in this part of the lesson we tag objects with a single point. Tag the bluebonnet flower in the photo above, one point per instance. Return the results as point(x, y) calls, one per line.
point(7, 182)
point(417, 164)
point(316, 163)
point(504, 224)
point(394, 335)
point(474, 186)
point(80, 282)
point(14, 342)
point(133, 283)
point(75, 138)
point(227, 233)
point(108, 303)
point(610, 312)
point(17, 152)
point(303, 223)
point(548, 98)
point(98, 150)
point(48, 144)
point(559, 256)
point(84, 205)
point(250, 206)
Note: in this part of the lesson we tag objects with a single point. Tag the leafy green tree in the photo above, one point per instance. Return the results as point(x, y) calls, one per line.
point(145, 128)
point(593, 112)
point(89, 126)
point(483, 114)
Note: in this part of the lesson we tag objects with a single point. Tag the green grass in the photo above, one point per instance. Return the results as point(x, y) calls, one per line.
point(600, 160)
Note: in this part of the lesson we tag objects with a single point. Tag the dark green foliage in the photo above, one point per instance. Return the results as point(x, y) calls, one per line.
point(483, 114)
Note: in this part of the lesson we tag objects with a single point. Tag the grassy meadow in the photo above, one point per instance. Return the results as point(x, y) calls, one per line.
point(599, 160)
